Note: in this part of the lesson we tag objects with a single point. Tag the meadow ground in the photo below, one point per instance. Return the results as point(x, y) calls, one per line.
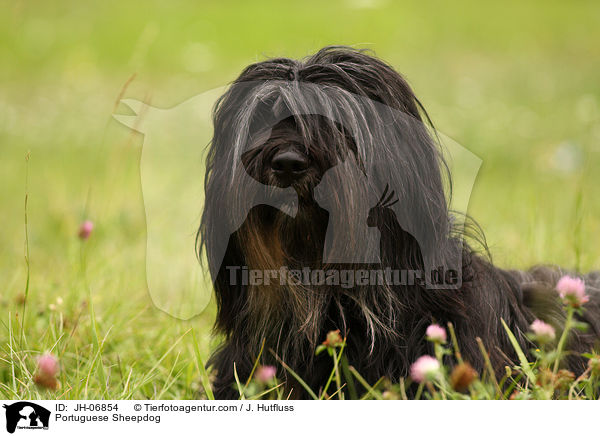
point(516, 84)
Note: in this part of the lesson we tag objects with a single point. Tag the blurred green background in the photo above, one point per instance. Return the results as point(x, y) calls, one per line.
point(515, 82)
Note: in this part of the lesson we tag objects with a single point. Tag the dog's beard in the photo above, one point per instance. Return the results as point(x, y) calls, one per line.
point(272, 240)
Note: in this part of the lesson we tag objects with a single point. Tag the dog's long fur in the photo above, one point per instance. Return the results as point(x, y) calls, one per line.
point(385, 324)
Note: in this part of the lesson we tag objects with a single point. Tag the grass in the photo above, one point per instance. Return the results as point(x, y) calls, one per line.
point(514, 83)
point(540, 379)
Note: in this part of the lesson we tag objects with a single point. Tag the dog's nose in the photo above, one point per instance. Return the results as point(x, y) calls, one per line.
point(289, 164)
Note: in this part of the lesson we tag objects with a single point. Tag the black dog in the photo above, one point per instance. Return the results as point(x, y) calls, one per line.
point(346, 133)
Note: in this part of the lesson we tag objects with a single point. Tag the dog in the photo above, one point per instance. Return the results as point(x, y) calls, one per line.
point(355, 182)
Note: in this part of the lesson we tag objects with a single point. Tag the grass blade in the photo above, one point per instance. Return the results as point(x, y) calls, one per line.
point(296, 376)
point(366, 385)
point(522, 359)
point(203, 374)
point(237, 382)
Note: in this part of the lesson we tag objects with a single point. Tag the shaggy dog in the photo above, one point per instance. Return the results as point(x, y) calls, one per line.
point(330, 164)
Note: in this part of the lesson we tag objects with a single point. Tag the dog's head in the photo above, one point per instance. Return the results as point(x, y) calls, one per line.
point(346, 132)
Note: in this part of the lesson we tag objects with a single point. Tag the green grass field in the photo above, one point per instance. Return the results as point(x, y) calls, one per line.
point(516, 83)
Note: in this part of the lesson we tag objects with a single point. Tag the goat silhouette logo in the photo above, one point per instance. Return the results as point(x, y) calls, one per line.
point(26, 415)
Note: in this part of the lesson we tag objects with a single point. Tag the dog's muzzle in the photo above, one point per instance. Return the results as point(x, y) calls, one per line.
point(289, 165)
